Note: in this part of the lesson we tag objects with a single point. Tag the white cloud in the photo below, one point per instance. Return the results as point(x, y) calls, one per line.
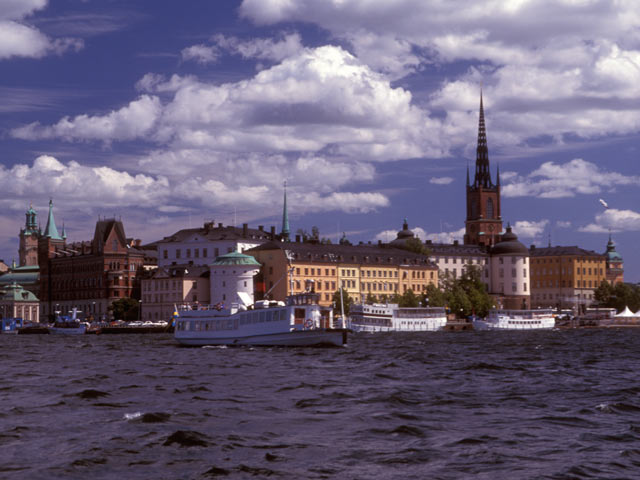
point(132, 121)
point(441, 180)
point(72, 182)
point(572, 72)
point(578, 176)
point(614, 220)
point(201, 53)
point(563, 224)
point(19, 39)
point(442, 237)
point(529, 229)
point(285, 46)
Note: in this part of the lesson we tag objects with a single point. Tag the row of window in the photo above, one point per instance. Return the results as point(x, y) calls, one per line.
point(468, 261)
point(514, 272)
point(568, 271)
point(566, 283)
point(195, 252)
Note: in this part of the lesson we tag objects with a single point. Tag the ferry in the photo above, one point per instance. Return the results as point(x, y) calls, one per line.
point(538, 319)
point(390, 317)
point(299, 322)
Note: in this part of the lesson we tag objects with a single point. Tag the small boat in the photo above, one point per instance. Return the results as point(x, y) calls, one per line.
point(68, 325)
point(298, 322)
point(539, 319)
point(389, 317)
point(11, 325)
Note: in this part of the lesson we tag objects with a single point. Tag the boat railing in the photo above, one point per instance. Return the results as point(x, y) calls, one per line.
point(420, 312)
point(524, 314)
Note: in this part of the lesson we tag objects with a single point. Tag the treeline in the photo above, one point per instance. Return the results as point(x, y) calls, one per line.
point(618, 296)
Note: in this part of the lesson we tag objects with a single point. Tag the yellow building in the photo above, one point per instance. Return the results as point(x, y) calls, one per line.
point(565, 277)
point(292, 267)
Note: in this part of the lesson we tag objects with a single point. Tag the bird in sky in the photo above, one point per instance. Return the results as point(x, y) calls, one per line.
point(604, 204)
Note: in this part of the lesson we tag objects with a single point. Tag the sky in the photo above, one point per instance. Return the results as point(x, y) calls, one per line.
point(168, 114)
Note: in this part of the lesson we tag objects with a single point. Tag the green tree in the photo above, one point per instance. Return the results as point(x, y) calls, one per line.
point(415, 245)
point(371, 298)
point(409, 299)
point(434, 297)
point(125, 309)
point(346, 299)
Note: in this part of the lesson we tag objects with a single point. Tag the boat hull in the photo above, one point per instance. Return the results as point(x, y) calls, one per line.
point(68, 330)
point(296, 338)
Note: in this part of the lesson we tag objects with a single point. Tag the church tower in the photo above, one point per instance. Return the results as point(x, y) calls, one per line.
point(285, 233)
point(483, 225)
point(28, 249)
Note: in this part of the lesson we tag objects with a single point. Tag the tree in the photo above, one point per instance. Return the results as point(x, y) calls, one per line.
point(371, 298)
point(415, 245)
point(409, 299)
point(125, 309)
point(346, 300)
point(434, 297)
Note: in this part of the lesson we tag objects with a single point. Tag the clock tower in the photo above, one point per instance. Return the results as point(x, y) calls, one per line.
point(483, 225)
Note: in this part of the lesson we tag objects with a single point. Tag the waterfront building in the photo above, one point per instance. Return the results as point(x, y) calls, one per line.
point(89, 275)
point(483, 225)
point(201, 246)
point(510, 273)
point(16, 302)
point(292, 267)
point(28, 277)
point(565, 276)
point(232, 279)
point(614, 264)
point(28, 239)
point(166, 287)
point(453, 259)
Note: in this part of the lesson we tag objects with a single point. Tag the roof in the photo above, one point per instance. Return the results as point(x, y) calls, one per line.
point(611, 253)
point(181, 271)
point(103, 229)
point(50, 230)
point(509, 245)
point(235, 258)
point(336, 253)
point(23, 278)
point(562, 251)
point(210, 232)
point(454, 249)
point(17, 293)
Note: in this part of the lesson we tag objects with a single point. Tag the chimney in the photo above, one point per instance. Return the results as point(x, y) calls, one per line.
point(533, 247)
point(220, 225)
point(245, 230)
point(297, 238)
point(273, 232)
point(428, 242)
point(379, 243)
point(455, 242)
point(261, 228)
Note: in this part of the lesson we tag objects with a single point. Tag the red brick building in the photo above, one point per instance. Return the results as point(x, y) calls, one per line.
point(89, 275)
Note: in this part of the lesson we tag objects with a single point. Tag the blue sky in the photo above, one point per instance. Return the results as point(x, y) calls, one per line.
point(167, 114)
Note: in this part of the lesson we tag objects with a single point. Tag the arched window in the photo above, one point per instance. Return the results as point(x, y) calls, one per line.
point(490, 208)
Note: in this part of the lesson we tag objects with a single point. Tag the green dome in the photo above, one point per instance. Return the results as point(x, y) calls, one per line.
point(236, 258)
point(15, 292)
point(611, 253)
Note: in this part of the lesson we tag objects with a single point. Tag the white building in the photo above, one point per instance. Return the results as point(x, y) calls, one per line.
point(201, 246)
point(232, 279)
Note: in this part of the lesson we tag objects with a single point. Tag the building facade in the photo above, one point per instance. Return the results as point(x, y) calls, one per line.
point(16, 302)
point(88, 275)
point(565, 276)
point(166, 287)
point(201, 246)
point(290, 267)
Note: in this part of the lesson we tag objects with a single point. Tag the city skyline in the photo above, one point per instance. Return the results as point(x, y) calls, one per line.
point(171, 116)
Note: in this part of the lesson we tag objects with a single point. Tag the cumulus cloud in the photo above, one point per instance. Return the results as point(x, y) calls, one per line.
point(614, 220)
point(572, 72)
point(132, 121)
point(577, 177)
point(424, 235)
point(529, 229)
point(19, 39)
point(95, 186)
point(201, 53)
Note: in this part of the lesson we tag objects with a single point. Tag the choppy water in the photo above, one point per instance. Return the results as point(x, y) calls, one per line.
point(447, 405)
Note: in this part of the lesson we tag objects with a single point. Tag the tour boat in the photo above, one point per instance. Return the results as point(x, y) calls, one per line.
point(301, 321)
point(516, 320)
point(390, 317)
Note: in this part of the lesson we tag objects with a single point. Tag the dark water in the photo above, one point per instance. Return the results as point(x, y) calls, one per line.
point(484, 405)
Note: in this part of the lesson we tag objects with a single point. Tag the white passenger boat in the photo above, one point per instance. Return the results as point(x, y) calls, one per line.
point(389, 317)
point(516, 320)
point(299, 322)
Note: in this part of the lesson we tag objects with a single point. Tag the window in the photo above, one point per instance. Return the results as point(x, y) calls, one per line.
point(216, 252)
point(524, 272)
point(501, 260)
point(490, 208)
point(114, 245)
point(204, 252)
point(514, 287)
point(178, 253)
point(196, 253)
point(524, 287)
point(165, 253)
point(188, 253)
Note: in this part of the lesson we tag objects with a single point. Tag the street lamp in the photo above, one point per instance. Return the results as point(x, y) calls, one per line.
point(139, 310)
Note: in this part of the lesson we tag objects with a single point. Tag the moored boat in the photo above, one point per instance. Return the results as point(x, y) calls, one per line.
point(68, 325)
point(539, 319)
point(390, 317)
point(266, 323)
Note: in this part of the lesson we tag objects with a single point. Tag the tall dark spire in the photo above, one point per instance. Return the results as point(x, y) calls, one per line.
point(285, 217)
point(483, 175)
point(51, 230)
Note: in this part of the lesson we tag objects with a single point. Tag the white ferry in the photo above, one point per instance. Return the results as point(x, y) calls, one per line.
point(516, 320)
point(299, 322)
point(389, 317)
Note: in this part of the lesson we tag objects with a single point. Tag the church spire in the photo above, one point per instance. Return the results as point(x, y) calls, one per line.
point(50, 230)
point(483, 175)
point(285, 217)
